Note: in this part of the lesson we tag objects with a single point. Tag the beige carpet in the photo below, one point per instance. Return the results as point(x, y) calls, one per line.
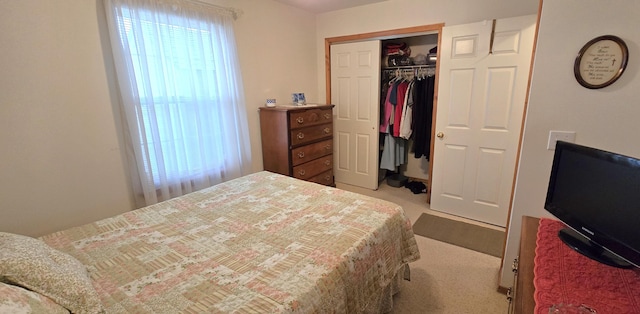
point(466, 235)
point(447, 279)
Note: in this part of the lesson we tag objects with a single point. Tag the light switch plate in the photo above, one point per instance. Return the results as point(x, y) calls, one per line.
point(554, 136)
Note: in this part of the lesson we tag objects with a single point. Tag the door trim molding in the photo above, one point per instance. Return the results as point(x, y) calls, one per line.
point(389, 34)
point(520, 140)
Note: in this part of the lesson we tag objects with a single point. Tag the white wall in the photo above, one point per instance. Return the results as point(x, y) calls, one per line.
point(63, 161)
point(277, 54)
point(603, 118)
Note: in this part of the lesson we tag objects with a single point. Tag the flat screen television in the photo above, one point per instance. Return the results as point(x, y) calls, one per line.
point(597, 195)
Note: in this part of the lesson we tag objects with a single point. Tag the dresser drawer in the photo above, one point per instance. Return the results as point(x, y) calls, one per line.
point(325, 178)
point(309, 152)
point(310, 117)
point(313, 168)
point(310, 134)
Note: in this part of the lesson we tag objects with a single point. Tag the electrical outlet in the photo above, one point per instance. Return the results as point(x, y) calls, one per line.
point(554, 136)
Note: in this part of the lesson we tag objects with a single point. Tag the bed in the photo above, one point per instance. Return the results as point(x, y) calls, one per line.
point(263, 243)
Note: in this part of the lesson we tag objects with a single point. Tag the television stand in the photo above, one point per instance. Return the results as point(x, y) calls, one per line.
point(591, 250)
point(563, 276)
point(523, 290)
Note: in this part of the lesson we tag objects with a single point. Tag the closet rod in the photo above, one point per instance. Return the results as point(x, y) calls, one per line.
point(410, 67)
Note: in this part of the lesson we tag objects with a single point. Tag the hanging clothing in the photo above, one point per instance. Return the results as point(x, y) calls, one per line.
point(384, 92)
point(394, 153)
point(388, 109)
point(407, 113)
point(397, 114)
point(422, 116)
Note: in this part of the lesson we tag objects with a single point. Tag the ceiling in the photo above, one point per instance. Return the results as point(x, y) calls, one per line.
point(321, 6)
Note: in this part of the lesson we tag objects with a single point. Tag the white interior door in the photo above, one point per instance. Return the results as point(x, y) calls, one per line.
point(478, 121)
point(355, 85)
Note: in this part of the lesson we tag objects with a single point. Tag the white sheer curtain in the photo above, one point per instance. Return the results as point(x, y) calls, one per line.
point(182, 95)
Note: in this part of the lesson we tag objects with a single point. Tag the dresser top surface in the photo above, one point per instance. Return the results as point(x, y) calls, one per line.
point(297, 107)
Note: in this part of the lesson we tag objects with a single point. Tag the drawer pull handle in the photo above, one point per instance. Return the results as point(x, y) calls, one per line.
point(300, 135)
point(327, 130)
point(327, 162)
point(327, 116)
point(300, 120)
point(301, 155)
point(328, 147)
point(302, 172)
point(327, 178)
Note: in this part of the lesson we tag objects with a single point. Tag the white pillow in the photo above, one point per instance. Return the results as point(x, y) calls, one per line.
point(30, 263)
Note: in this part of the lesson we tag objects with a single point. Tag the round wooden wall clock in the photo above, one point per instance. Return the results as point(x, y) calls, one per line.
point(601, 61)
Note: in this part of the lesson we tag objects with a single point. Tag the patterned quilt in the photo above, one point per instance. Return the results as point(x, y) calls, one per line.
point(263, 243)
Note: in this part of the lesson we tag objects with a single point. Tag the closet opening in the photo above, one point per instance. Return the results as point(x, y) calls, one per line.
point(407, 86)
point(421, 40)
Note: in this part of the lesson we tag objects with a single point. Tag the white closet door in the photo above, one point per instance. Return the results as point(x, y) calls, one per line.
point(479, 116)
point(355, 86)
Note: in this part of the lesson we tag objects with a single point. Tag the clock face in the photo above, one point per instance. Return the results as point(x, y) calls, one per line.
point(601, 62)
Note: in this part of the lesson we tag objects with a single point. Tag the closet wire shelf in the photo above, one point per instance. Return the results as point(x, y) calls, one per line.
point(410, 71)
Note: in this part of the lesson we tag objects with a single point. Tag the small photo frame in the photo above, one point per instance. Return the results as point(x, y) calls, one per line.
point(298, 98)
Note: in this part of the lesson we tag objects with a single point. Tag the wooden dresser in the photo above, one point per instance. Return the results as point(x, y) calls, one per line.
point(298, 141)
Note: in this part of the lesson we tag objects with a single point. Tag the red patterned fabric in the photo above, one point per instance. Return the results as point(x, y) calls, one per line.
point(565, 276)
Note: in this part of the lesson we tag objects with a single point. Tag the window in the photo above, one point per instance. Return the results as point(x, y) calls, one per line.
point(182, 95)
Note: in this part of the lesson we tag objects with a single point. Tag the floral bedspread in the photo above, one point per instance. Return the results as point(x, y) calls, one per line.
point(263, 243)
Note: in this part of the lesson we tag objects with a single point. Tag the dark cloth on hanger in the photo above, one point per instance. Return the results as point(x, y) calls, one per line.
point(384, 90)
point(422, 115)
point(393, 93)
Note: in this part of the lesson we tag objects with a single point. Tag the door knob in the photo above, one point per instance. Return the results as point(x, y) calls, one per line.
point(440, 135)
